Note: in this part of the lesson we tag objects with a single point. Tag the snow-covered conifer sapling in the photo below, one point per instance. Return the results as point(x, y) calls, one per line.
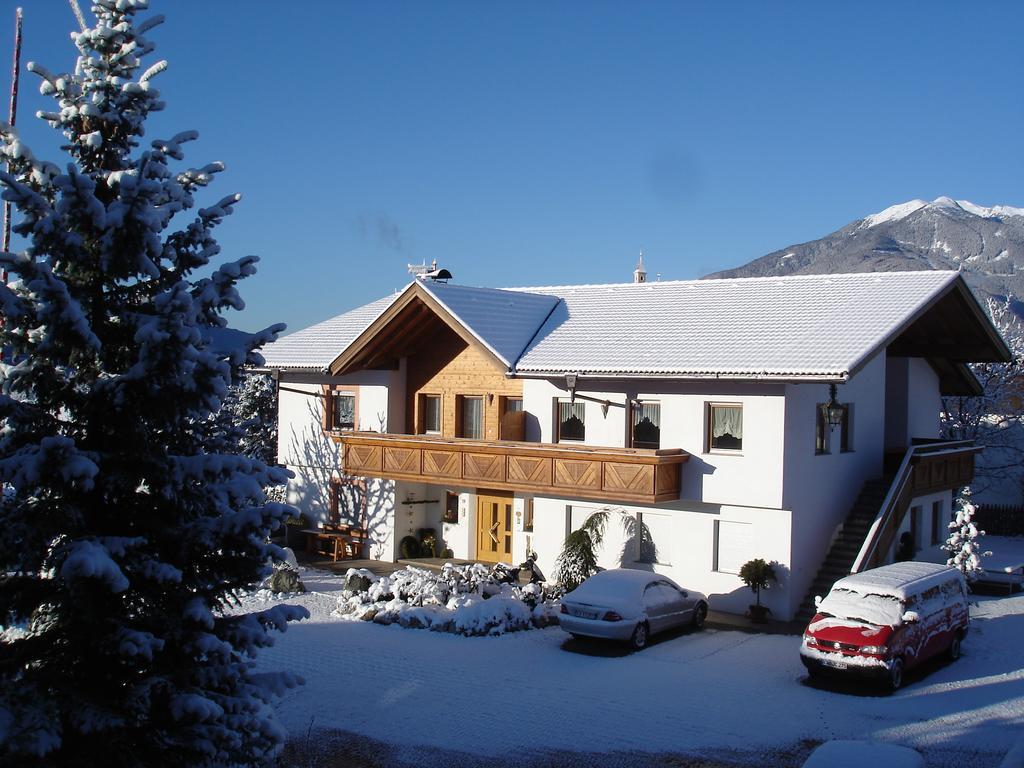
point(964, 542)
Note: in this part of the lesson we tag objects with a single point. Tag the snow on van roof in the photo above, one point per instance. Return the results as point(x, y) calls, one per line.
point(897, 580)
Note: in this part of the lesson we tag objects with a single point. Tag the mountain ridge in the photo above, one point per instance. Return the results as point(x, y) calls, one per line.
point(986, 244)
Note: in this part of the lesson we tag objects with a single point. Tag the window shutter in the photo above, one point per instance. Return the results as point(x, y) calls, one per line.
point(328, 402)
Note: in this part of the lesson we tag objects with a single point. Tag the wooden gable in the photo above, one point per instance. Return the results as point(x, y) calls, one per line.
point(412, 322)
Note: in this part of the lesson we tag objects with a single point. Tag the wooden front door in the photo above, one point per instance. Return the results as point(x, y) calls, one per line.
point(494, 527)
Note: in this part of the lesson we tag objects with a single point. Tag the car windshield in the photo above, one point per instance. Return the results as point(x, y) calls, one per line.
point(880, 610)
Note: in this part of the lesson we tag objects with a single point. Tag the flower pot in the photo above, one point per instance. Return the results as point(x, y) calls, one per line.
point(758, 613)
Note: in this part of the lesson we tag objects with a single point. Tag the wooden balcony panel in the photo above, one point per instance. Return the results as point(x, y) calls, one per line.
point(402, 460)
point(578, 473)
point(442, 464)
point(484, 467)
point(530, 471)
point(590, 472)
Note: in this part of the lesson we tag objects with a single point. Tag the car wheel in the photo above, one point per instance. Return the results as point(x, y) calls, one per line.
point(639, 639)
point(896, 675)
point(700, 613)
point(954, 648)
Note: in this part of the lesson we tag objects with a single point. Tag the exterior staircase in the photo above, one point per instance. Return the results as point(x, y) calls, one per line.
point(840, 559)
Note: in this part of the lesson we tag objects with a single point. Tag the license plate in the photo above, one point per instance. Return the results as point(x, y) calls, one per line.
point(834, 664)
point(584, 614)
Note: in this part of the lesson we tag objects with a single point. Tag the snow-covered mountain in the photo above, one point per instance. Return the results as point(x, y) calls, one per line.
point(987, 244)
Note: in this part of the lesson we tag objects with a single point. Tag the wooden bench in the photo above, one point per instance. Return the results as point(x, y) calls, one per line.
point(338, 541)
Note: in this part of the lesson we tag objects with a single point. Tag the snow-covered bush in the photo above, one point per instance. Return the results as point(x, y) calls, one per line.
point(463, 599)
point(128, 524)
point(964, 542)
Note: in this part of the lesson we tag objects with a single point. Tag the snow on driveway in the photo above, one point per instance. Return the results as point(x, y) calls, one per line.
point(711, 692)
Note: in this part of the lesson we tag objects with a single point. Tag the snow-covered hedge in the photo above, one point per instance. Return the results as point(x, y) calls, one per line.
point(463, 599)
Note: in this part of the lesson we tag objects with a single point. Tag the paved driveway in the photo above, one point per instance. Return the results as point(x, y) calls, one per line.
point(712, 693)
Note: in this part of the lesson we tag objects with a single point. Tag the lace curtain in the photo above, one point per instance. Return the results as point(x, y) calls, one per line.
point(727, 420)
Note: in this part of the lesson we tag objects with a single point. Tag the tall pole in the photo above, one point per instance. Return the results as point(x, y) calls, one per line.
point(12, 116)
point(78, 14)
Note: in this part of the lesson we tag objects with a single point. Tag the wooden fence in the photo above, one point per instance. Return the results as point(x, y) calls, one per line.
point(1000, 519)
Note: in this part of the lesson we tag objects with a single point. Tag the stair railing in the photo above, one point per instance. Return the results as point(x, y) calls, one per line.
point(901, 492)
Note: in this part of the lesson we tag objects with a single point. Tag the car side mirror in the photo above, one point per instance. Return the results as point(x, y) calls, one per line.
point(910, 617)
point(817, 600)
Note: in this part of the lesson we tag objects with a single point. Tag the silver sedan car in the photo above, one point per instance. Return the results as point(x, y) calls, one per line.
point(630, 605)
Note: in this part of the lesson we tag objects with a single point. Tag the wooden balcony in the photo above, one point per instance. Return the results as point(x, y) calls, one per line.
point(586, 472)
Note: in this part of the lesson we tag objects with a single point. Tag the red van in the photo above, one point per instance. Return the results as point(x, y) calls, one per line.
point(881, 622)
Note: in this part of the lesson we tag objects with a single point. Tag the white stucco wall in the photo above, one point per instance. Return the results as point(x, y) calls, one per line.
point(685, 541)
point(314, 458)
point(821, 489)
point(751, 477)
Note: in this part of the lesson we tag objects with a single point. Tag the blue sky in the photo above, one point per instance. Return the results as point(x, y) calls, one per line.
point(547, 142)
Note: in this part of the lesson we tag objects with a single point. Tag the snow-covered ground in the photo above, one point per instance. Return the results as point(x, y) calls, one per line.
point(709, 693)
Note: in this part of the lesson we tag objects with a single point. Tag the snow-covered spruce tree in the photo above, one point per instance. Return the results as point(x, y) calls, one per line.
point(995, 419)
point(126, 528)
point(963, 544)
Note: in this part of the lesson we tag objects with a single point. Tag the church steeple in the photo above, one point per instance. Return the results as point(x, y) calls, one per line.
point(640, 274)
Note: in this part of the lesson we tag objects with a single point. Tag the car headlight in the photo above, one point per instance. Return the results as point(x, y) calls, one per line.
point(875, 650)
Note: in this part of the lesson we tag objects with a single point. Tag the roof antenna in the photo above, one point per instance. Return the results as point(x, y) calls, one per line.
point(78, 14)
point(423, 272)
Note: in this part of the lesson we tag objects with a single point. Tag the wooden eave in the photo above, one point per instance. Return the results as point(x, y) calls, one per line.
point(400, 329)
point(949, 331)
point(952, 326)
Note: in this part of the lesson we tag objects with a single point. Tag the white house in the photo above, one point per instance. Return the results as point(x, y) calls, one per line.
point(793, 419)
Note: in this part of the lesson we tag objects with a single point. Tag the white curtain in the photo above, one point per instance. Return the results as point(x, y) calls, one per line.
point(571, 425)
point(727, 420)
point(473, 417)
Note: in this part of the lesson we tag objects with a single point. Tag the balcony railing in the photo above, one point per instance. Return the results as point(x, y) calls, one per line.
point(587, 472)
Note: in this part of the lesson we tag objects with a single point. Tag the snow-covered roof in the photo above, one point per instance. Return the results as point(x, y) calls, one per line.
point(315, 347)
point(897, 580)
point(764, 327)
point(802, 326)
point(504, 321)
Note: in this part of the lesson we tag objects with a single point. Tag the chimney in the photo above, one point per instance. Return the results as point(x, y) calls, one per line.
point(640, 274)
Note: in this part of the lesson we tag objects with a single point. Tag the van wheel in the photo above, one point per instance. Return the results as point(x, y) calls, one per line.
point(639, 639)
point(700, 613)
point(896, 675)
point(954, 648)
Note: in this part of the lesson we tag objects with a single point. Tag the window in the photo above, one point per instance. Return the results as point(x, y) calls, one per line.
point(430, 406)
point(823, 431)
point(734, 545)
point(571, 421)
point(471, 412)
point(528, 516)
point(343, 410)
point(646, 427)
point(725, 427)
point(937, 523)
point(513, 404)
point(451, 508)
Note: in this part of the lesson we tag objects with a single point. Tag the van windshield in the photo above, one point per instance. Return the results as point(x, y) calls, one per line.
point(880, 610)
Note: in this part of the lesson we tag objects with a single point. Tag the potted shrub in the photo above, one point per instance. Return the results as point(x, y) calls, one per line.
point(758, 575)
